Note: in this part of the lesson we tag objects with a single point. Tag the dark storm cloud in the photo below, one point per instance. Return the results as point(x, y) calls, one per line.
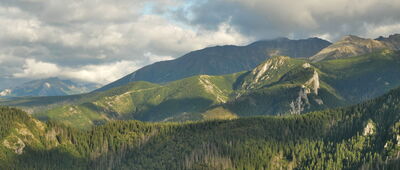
point(271, 18)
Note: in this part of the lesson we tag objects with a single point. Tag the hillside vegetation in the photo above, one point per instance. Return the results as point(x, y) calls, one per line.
point(362, 136)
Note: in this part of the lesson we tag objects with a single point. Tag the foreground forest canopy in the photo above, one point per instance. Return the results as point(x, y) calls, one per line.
point(365, 136)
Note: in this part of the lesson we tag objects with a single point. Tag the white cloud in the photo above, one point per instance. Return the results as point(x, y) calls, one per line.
point(326, 36)
point(155, 58)
point(103, 73)
point(374, 31)
point(92, 40)
point(33, 68)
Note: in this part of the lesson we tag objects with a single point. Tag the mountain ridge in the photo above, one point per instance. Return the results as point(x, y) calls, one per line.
point(352, 45)
point(221, 60)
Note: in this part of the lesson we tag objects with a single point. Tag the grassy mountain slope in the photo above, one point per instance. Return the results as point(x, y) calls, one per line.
point(176, 101)
point(361, 136)
point(298, 86)
point(283, 86)
point(372, 74)
point(221, 60)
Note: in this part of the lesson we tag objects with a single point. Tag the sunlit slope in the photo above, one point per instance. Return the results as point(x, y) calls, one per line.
point(180, 100)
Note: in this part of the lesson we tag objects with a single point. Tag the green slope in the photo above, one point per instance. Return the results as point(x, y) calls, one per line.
point(372, 74)
point(176, 101)
point(289, 87)
point(365, 135)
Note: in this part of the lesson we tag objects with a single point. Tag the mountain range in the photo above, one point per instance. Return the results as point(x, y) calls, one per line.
point(221, 60)
point(280, 85)
point(48, 87)
point(276, 104)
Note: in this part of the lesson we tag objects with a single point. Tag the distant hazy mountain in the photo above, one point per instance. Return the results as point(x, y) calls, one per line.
point(48, 87)
point(222, 60)
point(352, 46)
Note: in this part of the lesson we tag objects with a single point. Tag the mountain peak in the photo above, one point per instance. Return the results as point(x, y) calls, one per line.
point(269, 71)
point(349, 46)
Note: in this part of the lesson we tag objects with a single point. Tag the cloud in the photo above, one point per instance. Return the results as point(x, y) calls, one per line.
point(374, 31)
point(76, 39)
point(33, 68)
point(103, 74)
point(80, 37)
point(270, 18)
point(155, 58)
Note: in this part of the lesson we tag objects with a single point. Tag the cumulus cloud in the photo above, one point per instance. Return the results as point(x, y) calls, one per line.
point(155, 58)
point(379, 30)
point(269, 18)
point(77, 39)
point(33, 68)
point(104, 73)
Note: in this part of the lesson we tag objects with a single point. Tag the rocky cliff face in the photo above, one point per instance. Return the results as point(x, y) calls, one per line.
point(302, 102)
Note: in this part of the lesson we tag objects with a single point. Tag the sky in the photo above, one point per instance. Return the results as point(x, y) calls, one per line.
point(100, 41)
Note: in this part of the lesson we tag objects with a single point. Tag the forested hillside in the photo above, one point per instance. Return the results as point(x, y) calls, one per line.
point(366, 135)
